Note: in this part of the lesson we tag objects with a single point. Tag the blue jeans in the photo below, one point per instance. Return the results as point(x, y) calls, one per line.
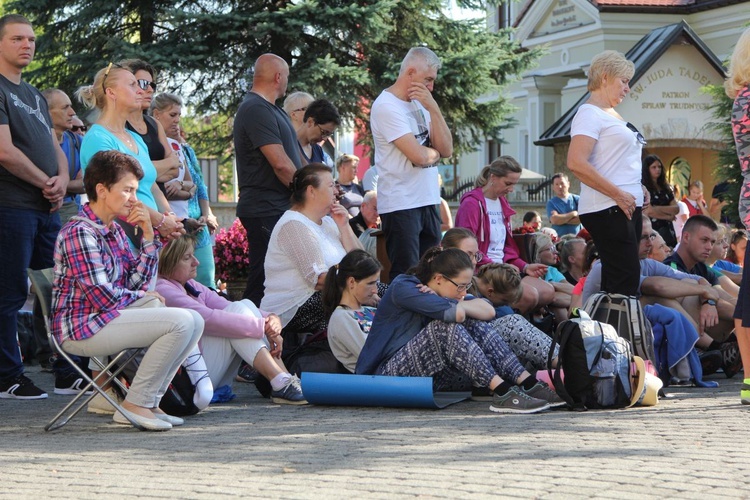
point(27, 239)
point(409, 234)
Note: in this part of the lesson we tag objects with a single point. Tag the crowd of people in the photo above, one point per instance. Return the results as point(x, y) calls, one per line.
point(122, 214)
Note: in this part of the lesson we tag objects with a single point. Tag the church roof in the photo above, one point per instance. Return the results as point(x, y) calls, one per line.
point(643, 55)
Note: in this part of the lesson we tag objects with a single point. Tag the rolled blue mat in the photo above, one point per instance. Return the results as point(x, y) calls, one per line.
point(375, 390)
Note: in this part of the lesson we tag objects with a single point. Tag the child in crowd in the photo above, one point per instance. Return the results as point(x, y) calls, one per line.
point(350, 291)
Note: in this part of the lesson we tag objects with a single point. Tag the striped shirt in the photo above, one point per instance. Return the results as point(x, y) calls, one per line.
point(96, 275)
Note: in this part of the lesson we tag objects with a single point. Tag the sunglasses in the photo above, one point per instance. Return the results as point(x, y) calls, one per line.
point(145, 84)
point(80, 128)
point(106, 74)
point(638, 135)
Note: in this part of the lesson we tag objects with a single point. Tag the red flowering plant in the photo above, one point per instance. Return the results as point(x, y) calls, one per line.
point(524, 230)
point(231, 253)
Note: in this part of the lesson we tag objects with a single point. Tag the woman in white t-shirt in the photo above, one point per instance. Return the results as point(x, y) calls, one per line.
point(309, 238)
point(605, 155)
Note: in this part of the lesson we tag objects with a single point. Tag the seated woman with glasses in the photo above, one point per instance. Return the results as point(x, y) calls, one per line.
point(426, 326)
point(485, 211)
point(319, 123)
point(502, 286)
point(545, 252)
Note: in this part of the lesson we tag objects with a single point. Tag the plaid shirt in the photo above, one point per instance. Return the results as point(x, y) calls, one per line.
point(96, 275)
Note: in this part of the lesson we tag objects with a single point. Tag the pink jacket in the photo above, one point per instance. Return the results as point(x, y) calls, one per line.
point(472, 214)
point(210, 305)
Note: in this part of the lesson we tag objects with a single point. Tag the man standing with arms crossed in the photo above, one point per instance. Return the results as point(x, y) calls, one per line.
point(33, 182)
point(410, 136)
point(267, 156)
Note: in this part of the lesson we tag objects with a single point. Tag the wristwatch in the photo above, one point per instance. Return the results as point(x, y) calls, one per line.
point(710, 302)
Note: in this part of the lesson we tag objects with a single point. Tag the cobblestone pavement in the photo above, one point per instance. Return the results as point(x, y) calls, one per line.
point(693, 445)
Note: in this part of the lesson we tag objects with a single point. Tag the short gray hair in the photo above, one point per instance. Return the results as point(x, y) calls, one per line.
point(420, 55)
point(293, 100)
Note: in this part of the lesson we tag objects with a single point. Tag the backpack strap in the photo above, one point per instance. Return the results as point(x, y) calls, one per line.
point(561, 337)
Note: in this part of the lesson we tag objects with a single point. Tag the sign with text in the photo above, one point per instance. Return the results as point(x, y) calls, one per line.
point(562, 15)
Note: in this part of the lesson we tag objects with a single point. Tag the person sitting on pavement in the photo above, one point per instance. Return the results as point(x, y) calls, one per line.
point(533, 221)
point(346, 175)
point(659, 249)
point(501, 285)
point(485, 211)
point(572, 257)
point(350, 295)
point(545, 252)
point(309, 238)
point(100, 305)
point(234, 331)
point(717, 260)
point(424, 327)
point(737, 247)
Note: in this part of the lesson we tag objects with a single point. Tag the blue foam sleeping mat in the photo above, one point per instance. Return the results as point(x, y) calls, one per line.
point(375, 390)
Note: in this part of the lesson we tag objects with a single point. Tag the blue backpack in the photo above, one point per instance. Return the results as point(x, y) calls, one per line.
point(596, 364)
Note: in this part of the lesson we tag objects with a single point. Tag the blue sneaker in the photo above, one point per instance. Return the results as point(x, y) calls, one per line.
point(290, 394)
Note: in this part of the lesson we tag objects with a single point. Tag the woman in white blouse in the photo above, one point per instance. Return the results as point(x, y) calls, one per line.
point(309, 238)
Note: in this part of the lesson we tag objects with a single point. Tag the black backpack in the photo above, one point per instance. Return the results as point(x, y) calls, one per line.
point(596, 363)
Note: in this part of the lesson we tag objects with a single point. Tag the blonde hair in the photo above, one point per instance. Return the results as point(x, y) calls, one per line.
point(172, 253)
point(541, 242)
point(608, 63)
point(739, 66)
point(500, 167)
point(504, 280)
point(346, 158)
point(93, 96)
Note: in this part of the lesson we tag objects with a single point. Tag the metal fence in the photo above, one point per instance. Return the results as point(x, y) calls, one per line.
point(536, 192)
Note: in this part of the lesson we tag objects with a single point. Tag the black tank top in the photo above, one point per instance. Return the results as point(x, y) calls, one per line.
point(151, 138)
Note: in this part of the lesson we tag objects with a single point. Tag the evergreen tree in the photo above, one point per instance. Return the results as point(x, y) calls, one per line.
point(345, 51)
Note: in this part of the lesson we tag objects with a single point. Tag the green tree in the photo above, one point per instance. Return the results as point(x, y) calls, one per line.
point(345, 51)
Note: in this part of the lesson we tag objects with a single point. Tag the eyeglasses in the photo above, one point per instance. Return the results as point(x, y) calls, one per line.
point(477, 257)
point(106, 74)
point(323, 132)
point(651, 237)
point(638, 135)
point(145, 84)
point(80, 128)
point(460, 288)
point(299, 109)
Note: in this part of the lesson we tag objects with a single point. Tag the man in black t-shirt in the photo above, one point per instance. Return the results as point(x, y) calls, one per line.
point(33, 181)
point(267, 155)
point(698, 239)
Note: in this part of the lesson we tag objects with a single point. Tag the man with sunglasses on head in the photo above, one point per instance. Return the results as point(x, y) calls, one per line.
point(33, 183)
point(267, 155)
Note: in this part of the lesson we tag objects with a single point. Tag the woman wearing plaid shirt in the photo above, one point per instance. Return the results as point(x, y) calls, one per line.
point(100, 305)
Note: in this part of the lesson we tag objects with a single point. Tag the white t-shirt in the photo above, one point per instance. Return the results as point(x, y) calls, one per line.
point(680, 219)
point(401, 185)
point(298, 252)
point(496, 250)
point(616, 156)
point(179, 207)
